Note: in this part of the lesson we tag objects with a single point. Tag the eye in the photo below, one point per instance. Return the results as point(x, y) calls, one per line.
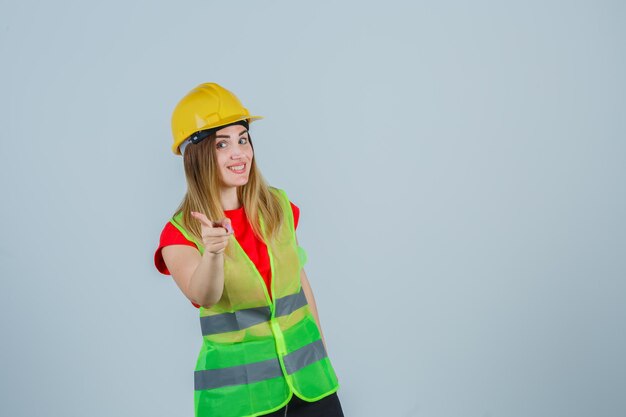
point(219, 144)
point(243, 140)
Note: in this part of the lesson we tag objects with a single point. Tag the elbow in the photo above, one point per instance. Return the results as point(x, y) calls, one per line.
point(204, 304)
point(209, 300)
point(206, 296)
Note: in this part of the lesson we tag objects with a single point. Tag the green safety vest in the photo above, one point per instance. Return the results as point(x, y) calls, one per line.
point(257, 351)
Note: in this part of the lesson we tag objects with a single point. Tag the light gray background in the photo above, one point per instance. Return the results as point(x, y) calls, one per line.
point(460, 168)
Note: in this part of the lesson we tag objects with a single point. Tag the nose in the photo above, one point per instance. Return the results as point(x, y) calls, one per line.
point(237, 152)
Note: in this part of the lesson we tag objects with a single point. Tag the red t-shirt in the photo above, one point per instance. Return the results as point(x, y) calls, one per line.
point(254, 248)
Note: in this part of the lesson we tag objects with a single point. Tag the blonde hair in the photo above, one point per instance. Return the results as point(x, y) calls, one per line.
point(203, 193)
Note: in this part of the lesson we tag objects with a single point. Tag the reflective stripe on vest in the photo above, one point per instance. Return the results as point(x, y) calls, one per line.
point(242, 319)
point(259, 371)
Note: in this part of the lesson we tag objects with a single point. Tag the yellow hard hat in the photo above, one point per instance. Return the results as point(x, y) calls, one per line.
point(207, 106)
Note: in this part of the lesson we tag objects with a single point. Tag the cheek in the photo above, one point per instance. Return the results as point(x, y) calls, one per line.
point(221, 158)
point(221, 162)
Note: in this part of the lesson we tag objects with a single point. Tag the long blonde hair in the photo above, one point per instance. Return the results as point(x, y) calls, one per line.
point(203, 193)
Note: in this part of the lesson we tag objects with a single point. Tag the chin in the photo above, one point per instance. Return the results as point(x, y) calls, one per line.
point(238, 183)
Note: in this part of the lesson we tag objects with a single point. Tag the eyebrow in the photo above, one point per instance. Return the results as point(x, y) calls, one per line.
point(227, 137)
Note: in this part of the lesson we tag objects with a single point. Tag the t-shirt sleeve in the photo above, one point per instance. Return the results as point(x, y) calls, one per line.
point(296, 214)
point(169, 236)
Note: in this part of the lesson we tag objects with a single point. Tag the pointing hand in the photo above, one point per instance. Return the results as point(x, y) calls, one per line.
point(214, 234)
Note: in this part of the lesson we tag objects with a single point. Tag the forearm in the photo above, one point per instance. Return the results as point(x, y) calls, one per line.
point(207, 282)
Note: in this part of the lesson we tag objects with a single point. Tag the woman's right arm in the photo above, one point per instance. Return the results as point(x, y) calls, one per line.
point(201, 277)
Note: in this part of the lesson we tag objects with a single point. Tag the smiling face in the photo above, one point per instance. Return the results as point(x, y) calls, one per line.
point(234, 154)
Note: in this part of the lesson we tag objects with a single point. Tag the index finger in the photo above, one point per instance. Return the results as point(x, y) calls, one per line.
point(202, 219)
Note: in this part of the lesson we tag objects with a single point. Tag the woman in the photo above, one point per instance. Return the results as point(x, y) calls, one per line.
point(231, 247)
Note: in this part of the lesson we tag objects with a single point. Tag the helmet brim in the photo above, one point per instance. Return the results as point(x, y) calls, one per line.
point(224, 122)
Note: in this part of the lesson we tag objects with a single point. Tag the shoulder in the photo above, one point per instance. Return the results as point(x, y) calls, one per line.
point(279, 192)
point(281, 195)
point(170, 235)
point(296, 214)
point(294, 208)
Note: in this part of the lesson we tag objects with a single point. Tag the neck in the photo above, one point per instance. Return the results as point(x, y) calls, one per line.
point(228, 198)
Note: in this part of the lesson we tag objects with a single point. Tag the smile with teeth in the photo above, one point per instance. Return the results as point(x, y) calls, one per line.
point(238, 169)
